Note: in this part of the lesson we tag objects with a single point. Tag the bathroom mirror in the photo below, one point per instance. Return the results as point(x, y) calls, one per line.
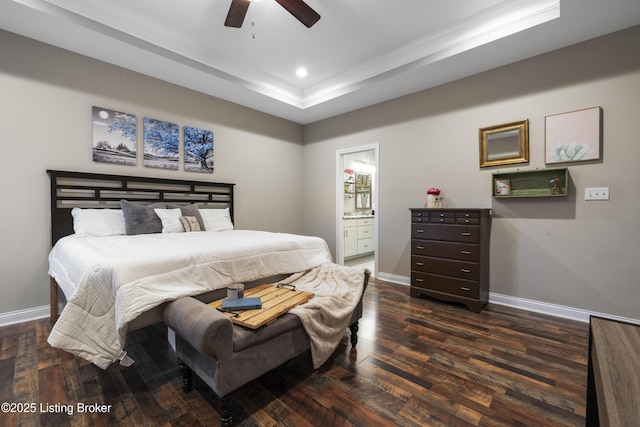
point(504, 144)
point(363, 191)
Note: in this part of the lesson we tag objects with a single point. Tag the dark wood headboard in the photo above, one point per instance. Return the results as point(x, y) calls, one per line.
point(101, 191)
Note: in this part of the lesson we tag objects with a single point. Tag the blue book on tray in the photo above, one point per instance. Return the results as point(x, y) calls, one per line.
point(235, 304)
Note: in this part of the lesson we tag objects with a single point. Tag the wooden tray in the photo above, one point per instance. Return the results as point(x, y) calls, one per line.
point(275, 302)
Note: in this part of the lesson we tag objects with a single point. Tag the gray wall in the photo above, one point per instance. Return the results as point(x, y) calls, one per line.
point(568, 252)
point(45, 123)
point(578, 254)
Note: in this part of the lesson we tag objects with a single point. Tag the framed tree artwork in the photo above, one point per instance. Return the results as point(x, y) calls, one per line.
point(198, 149)
point(161, 144)
point(114, 136)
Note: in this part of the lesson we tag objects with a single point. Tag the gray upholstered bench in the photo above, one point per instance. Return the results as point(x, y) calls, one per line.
point(227, 356)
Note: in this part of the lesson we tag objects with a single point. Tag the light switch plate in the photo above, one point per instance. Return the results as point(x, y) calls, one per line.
point(596, 193)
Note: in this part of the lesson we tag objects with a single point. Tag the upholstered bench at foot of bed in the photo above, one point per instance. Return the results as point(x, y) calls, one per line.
point(227, 356)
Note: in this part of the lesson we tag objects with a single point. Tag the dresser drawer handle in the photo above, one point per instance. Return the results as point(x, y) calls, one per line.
point(420, 264)
point(419, 231)
point(441, 220)
point(419, 247)
point(419, 280)
point(465, 252)
point(466, 233)
point(464, 288)
point(465, 270)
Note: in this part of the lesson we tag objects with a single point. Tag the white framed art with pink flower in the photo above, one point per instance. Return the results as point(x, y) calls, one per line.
point(575, 136)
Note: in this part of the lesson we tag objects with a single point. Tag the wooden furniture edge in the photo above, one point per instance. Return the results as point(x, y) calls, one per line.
point(53, 295)
point(608, 404)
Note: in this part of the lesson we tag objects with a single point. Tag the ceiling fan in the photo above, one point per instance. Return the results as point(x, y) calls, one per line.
point(298, 8)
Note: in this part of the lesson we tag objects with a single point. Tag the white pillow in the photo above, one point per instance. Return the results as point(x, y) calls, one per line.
point(170, 220)
point(98, 222)
point(216, 219)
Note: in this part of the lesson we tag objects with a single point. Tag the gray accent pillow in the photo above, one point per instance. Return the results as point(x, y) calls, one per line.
point(141, 219)
point(189, 210)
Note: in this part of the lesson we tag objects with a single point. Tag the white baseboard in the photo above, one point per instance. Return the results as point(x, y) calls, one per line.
point(25, 315)
point(527, 304)
point(540, 307)
point(394, 278)
point(553, 309)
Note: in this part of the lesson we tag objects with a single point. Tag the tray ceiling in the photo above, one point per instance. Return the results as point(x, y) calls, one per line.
point(360, 53)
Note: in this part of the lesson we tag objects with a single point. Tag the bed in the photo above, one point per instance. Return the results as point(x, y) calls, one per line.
point(113, 275)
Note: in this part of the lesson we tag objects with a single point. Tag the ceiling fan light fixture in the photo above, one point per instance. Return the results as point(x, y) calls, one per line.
point(298, 8)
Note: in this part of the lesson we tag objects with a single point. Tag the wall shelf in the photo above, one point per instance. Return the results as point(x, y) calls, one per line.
point(536, 183)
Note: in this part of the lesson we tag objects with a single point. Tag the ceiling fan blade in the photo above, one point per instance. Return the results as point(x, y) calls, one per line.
point(301, 11)
point(237, 12)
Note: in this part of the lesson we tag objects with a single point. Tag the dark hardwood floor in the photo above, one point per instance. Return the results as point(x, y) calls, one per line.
point(418, 362)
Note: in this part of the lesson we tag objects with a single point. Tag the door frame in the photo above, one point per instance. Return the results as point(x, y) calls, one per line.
point(340, 200)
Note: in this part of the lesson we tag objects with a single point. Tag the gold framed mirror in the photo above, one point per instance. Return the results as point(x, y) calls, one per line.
point(504, 144)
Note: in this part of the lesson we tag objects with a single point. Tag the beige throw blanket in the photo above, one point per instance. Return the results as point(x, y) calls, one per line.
point(326, 316)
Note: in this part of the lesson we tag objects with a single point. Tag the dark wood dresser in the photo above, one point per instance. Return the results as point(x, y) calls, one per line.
point(450, 255)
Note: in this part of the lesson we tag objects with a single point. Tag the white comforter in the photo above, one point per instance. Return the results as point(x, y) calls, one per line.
point(109, 281)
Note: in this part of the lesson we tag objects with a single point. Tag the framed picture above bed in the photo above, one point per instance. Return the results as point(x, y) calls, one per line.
point(114, 136)
point(161, 144)
point(198, 150)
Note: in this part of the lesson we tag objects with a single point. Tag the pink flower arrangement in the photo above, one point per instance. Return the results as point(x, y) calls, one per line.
point(434, 191)
point(349, 171)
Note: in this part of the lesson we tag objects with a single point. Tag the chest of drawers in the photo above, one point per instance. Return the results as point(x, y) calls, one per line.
point(450, 255)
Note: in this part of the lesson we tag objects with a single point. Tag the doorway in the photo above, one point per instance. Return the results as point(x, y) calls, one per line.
point(357, 210)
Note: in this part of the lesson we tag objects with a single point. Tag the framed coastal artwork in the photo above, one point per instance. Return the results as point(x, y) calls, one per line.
point(114, 136)
point(575, 136)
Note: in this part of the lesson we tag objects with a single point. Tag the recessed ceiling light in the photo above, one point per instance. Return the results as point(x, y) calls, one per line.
point(301, 72)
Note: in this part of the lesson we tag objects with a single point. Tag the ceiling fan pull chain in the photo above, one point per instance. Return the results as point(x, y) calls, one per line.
point(253, 24)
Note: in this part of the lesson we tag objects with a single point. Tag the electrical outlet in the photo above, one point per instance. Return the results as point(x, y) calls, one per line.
point(596, 193)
